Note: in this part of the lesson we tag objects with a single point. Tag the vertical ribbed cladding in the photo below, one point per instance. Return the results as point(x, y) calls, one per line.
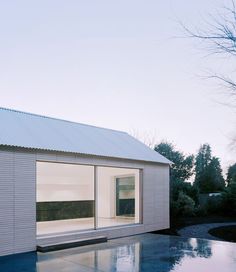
point(25, 201)
point(6, 203)
point(17, 202)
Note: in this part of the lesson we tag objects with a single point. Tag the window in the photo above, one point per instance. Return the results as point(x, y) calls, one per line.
point(65, 197)
point(73, 197)
point(125, 196)
point(117, 196)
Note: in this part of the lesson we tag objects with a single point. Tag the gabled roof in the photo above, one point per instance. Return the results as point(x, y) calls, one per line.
point(21, 129)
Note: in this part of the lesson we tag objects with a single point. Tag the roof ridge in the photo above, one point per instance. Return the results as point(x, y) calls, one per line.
point(58, 119)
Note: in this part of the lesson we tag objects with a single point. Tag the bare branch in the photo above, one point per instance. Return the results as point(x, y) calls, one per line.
point(147, 137)
point(220, 37)
point(227, 83)
point(220, 34)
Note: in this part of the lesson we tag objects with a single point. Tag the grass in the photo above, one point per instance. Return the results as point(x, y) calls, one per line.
point(227, 233)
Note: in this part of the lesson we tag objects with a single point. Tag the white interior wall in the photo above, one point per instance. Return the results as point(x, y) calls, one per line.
point(62, 182)
point(106, 190)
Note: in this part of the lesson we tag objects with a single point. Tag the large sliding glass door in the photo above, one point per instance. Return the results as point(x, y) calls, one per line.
point(117, 198)
point(73, 197)
point(65, 197)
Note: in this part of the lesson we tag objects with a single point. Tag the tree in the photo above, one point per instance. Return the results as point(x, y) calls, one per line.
point(202, 162)
point(208, 172)
point(183, 196)
point(216, 174)
point(231, 174)
point(220, 37)
point(182, 168)
point(229, 199)
point(185, 187)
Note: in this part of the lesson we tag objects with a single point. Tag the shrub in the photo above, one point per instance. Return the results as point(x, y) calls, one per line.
point(229, 199)
point(183, 206)
point(214, 205)
point(186, 187)
point(201, 211)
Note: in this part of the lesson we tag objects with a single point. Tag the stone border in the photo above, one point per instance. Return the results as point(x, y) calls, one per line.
point(201, 230)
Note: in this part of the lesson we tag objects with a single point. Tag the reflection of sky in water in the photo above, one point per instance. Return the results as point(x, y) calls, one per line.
point(148, 252)
point(208, 255)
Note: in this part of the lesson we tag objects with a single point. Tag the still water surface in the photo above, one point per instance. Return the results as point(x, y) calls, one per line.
point(147, 252)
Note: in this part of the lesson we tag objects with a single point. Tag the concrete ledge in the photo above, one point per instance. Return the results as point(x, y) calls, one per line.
point(70, 244)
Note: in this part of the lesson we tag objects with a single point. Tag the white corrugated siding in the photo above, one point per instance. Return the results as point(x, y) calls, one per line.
point(17, 198)
point(34, 131)
point(25, 201)
point(17, 202)
point(7, 210)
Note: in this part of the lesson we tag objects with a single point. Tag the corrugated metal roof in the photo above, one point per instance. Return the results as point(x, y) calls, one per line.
point(21, 129)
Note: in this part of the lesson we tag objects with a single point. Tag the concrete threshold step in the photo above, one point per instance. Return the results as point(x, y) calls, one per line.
point(69, 244)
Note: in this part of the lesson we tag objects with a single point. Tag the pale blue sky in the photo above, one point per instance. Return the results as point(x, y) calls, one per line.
point(115, 64)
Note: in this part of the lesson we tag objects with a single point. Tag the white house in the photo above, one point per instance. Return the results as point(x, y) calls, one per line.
point(62, 181)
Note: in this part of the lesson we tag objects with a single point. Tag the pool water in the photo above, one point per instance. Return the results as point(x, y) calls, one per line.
point(146, 252)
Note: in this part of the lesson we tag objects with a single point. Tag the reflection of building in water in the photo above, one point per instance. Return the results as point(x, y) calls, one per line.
point(104, 257)
point(156, 255)
point(127, 258)
point(139, 253)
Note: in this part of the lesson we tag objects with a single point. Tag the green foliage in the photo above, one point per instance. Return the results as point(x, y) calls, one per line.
point(183, 194)
point(231, 174)
point(185, 187)
point(229, 199)
point(182, 168)
point(216, 174)
point(208, 172)
point(201, 211)
point(184, 200)
point(60, 210)
point(183, 205)
point(214, 205)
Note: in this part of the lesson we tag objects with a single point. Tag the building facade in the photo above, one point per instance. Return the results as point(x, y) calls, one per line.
point(50, 192)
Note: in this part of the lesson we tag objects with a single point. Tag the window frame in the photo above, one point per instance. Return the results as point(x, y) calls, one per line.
point(95, 180)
